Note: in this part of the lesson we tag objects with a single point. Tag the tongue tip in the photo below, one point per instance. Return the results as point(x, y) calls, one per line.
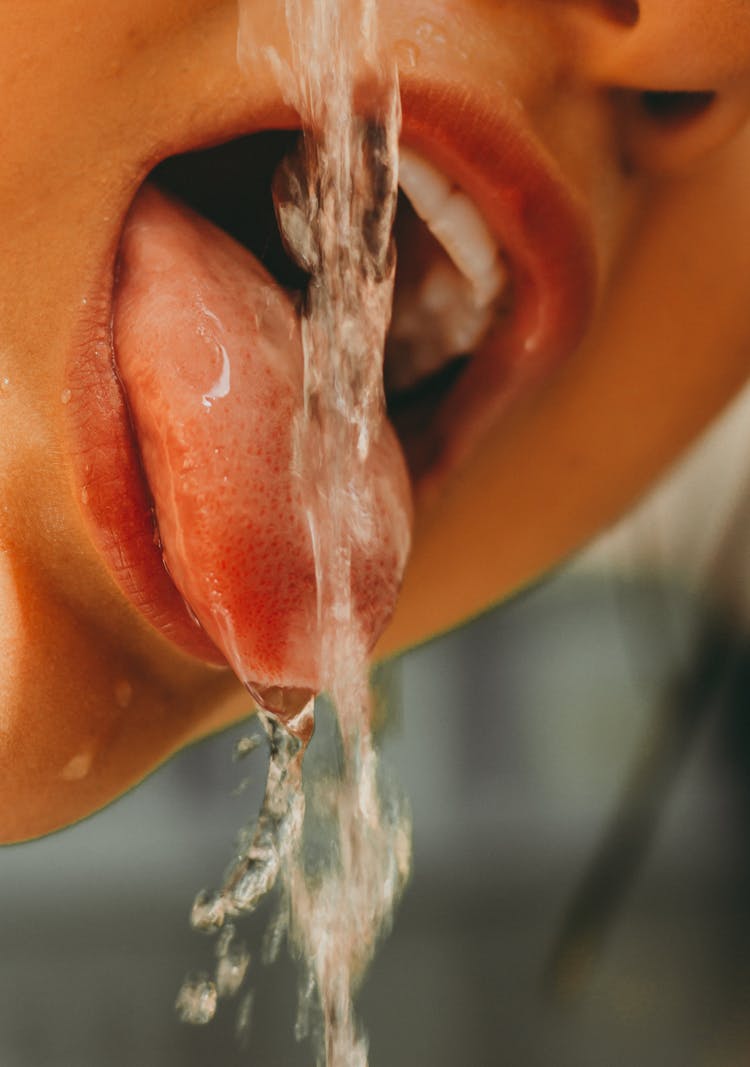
point(284, 701)
point(294, 708)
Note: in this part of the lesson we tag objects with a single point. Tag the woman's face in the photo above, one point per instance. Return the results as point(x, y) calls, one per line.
point(606, 146)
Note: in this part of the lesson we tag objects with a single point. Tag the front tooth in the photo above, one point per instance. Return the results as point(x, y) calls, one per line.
point(441, 321)
point(461, 230)
point(454, 220)
point(427, 188)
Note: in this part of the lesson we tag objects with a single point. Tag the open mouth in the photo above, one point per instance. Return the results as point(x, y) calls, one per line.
point(494, 289)
point(452, 285)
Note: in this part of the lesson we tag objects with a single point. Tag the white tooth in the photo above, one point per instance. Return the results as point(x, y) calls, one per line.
point(461, 230)
point(454, 220)
point(426, 187)
point(443, 320)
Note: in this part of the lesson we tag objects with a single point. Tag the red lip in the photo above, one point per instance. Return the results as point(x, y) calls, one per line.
point(537, 221)
point(549, 247)
point(114, 495)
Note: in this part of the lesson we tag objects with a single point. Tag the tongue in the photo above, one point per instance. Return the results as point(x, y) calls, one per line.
point(208, 349)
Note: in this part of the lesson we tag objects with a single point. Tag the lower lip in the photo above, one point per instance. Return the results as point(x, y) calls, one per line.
point(111, 487)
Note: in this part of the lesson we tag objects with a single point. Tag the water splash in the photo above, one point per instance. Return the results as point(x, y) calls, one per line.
point(196, 1001)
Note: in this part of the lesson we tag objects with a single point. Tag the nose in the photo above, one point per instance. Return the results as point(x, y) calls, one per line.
point(666, 45)
point(679, 70)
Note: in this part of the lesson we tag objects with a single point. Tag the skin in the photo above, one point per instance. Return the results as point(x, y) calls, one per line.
point(94, 95)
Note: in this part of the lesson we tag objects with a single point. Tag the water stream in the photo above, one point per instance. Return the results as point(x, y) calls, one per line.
point(335, 199)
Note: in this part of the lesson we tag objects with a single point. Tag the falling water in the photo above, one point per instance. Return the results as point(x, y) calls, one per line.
point(335, 198)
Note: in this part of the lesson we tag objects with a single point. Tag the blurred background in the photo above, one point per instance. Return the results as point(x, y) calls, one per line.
point(578, 766)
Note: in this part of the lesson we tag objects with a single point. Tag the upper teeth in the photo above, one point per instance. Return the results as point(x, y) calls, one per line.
point(455, 300)
point(455, 220)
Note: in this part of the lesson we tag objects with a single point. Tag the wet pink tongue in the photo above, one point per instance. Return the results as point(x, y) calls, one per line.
point(209, 352)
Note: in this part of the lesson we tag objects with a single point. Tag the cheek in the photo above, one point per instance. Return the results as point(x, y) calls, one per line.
point(50, 731)
point(85, 716)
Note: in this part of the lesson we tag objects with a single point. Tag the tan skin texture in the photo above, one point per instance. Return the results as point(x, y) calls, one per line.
point(95, 94)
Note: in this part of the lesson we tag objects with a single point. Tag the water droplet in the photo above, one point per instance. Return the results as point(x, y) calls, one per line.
point(123, 693)
point(209, 911)
point(274, 937)
point(430, 33)
point(65, 396)
point(305, 1002)
point(246, 745)
point(231, 970)
point(225, 939)
point(4, 386)
point(197, 999)
point(244, 1018)
point(407, 54)
point(243, 785)
point(84, 495)
point(78, 767)
point(258, 877)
